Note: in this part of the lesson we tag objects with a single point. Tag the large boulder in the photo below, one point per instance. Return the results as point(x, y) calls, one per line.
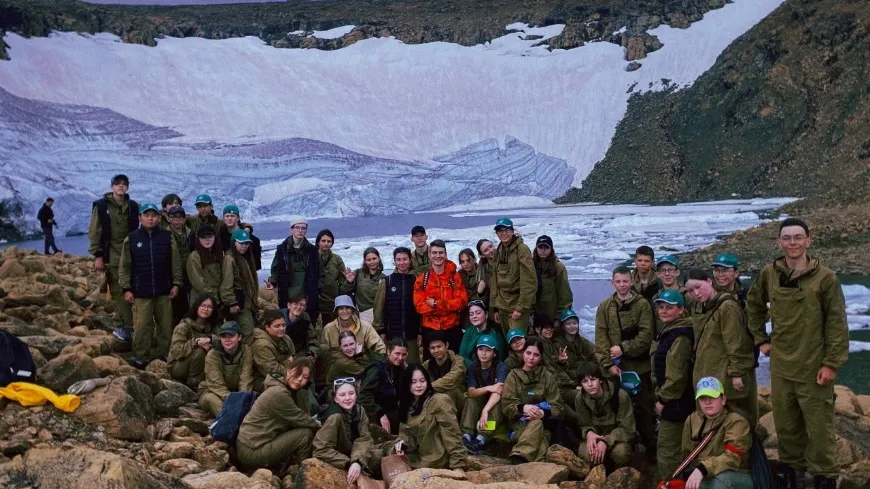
point(172, 396)
point(559, 455)
point(108, 365)
point(53, 468)
point(596, 476)
point(51, 346)
point(529, 473)
point(19, 328)
point(180, 467)
point(846, 402)
point(124, 408)
point(224, 480)
point(212, 457)
point(65, 370)
point(314, 474)
point(624, 478)
point(448, 479)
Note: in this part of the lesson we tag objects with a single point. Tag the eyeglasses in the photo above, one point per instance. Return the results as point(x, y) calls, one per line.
point(177, 216)
point(477, 302)
point(503, 231)
point(667, 271)
point(721, 270)
point(206, 306)
point(300, 227)
point(342, 381)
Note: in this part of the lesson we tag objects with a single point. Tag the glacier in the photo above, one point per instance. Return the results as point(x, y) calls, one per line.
point(71, 152)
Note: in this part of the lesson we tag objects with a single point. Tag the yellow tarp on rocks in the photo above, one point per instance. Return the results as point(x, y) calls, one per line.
point(33, 395)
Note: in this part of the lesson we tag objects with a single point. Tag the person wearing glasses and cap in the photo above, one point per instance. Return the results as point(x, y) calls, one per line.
point(668, 274)
point(345, 440)
point(808, 342)
point(672, 376)
point(113, 217)
point(726, 277)
point(554, 291)
point(239, 289)
point(296, 267)
point(480, 326)
point(723, 345)
point(169, 201)
point(150, 275)
point(229, 367)
point(724, 462)
point(181, 235)
point(514, 281)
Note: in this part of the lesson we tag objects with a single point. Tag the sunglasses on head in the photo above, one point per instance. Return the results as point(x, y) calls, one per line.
point(342, 381)
point(477, 302)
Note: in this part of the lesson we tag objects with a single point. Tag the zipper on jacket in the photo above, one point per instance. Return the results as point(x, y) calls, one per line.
point(153, 276)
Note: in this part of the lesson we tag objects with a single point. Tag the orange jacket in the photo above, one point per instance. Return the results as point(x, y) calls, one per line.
point(449, 293)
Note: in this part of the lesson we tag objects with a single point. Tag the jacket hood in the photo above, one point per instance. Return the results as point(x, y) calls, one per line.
point(272, 382)
point(449, 267)
point(782, 267)
point(196, 326)
point(682, 322)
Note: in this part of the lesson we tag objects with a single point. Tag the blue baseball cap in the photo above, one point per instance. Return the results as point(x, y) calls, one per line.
point(672, 297)
point(241, 236)
point(504, 222)
point(726, 260)
point(668, 259)
point(514, 334)
point(487, 341)
point(568, 314)
point(203, 199)
point(232, 209)
point(148, 206)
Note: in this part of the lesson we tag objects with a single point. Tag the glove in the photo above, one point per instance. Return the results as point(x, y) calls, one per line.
point(85, 386)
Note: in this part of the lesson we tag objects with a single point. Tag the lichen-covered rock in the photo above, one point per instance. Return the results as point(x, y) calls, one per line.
point(180, 467)
point(624, 478)
point(124, 408)
point(224, 480)
point(577, 467)
point(315, 474)
point(172, 396)
point(65, 370)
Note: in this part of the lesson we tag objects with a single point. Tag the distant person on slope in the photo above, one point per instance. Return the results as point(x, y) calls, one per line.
point(808, 342)
point(643, 277)
point(514, 282)
point(296, 267)
point(150, 274)
point(113, 217)
point(46, 221)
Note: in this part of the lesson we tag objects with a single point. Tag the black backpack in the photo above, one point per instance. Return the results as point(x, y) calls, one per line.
point(762, 477)
point(236, 406)
point(16, 363)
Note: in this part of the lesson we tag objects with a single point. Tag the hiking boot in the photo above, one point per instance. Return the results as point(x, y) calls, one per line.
point(518, 460)
point(122, 334)
point(470, 444)
point(138, 364)
point(822, 482)
point(792, 479)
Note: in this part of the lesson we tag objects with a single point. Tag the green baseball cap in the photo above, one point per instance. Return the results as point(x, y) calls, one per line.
point(710, 387)
point(514, 334)
point(487, 341)
point(668, 259)
point(232, 209)
point(241, 236)
point(148, 206)
point(229, 328)
point(567, 314)
point(203, 199)
point(726, 260)
point(504, 222)
point(672, 297)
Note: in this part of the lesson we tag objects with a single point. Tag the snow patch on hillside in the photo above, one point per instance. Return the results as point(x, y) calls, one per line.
point(334, 33)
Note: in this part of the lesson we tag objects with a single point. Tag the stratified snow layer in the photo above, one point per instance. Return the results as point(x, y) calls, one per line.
point(379, 96)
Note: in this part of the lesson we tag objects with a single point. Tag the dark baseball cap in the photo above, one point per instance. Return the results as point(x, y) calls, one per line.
point(176, 209)
point(544, 240)
point(205, 230)
point(120, 178)
point(229, 327)
point(418, 230)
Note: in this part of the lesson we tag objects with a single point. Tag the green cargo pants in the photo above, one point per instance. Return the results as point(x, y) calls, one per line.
point(803, 413)
point(293, 445)
point(123, 309)
point(617, 456)
point(508, 323)
point(210, 403)
point(747, 406)
point(670, 448)
point(246, 324)
point(532, 440)
point(190, 370)
point(152, 315)
point(472, 411)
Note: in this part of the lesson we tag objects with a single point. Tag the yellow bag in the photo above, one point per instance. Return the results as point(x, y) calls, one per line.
point(33, 395)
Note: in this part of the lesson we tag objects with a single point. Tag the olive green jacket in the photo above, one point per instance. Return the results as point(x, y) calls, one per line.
point(125, 268)
point(278, 410)
point(366, 289)
point(514, 283)
point(183, 337)
point(363, 331)
point(808, 316)
point(232, 279)
point(555, 293)
point(420, 261)
point(194, 222)
point(332, 281)
point(597, 415)
point(678, 365)
point(205, 280)
point(271, 355)
point(639, 288)
point(729, 448)
point(523, 388)
point(118, 218)
point(580, 350)
point(181, 243)
point(723, 346)
point(613, 321)
point(455, 379)
point(332, 442)
point(225, 373)
point(344, 366)
point(514, 359)
point(433, 437)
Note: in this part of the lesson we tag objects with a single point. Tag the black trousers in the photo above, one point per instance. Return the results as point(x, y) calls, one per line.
point(48, 231)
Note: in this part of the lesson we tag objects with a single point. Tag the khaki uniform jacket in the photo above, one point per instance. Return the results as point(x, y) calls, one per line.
point(523, 388)
point(181, 243)
point(277, 410)
point(232, 279)
point(484, 272)
point(365, 288)
point(434, 437)
point(580, 350)
point(678, 365)
point(723, 346)
point(126, 265)
point(183, 337)
point(363, 331)
point(332, 442)
point(639, 288)
point(514, 283)
point(194, 222)
point(613, 320)
point(597, 415)
point(344, 366)
point(555, 294)
point(729, 448)
point(271, 355)
point(332, 282)
point(118, 216)
point(808, 316)
point(205, 280)
point(514, 359)
point(420, 261)
point(455, 379)
point(225, 374)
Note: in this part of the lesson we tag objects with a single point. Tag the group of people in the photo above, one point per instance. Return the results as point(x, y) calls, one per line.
point(455, 356)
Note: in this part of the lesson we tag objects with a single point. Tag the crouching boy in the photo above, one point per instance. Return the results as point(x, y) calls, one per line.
point(606, 419)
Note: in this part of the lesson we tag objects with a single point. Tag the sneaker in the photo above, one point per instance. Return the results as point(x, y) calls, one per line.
point(470, 445)
point(481, 441)
point(122, 334)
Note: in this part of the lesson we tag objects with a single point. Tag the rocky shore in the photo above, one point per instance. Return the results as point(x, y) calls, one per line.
point(143, 430)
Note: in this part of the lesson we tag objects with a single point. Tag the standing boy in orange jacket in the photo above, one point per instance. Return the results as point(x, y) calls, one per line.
point(439, 297)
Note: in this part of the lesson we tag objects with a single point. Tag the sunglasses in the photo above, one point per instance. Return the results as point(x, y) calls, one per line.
point(477, 302)
point(342, 381)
